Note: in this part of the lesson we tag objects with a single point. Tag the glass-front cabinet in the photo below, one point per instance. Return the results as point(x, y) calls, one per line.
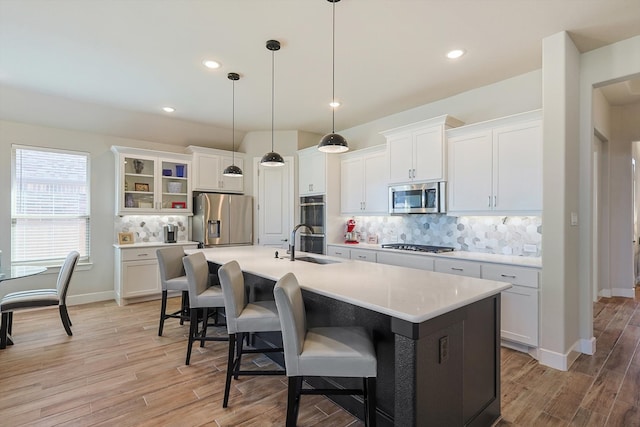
point(152, 182)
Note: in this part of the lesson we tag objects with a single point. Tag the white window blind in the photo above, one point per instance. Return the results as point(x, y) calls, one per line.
point(50, 204)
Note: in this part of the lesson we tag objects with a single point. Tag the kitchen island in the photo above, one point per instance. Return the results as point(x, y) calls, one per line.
point(437, 336)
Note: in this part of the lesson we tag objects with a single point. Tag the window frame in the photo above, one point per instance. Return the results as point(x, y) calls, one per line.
point(52, 262)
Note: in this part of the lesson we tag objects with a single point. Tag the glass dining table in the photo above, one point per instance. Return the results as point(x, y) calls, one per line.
point(17, 272)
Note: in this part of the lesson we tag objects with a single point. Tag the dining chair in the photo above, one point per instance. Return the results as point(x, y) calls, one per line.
point(204, 300)
point(172, 278)
point(323, 351)
point(34, 298)
point(243, 318)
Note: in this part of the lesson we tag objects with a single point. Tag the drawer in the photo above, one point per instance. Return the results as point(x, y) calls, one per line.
point(363, 255)
point(461, 268)
point(339, 251)
point(514, 275)
point(405, 260)
point(137, 254)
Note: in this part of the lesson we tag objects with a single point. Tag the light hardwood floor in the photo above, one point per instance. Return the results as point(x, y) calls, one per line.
point(116, 371)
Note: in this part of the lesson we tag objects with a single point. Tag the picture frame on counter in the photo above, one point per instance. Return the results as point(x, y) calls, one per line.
point(138, 186)
point(125, 238)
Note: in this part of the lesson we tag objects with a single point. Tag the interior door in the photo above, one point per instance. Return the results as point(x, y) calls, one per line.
point(275, 203)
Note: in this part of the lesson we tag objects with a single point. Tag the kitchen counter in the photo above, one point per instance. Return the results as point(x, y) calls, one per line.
point(403, 293)
point(436, 336)
point(522, 261)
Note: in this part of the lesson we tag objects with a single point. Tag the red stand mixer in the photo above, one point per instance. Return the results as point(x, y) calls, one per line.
point(351, 236)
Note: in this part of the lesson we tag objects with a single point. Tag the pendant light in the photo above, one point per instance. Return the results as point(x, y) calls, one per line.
point(333, 142)
point(232, 170)
point(272, 158)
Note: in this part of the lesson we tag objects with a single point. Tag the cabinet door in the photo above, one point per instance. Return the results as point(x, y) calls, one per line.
point(231, 183)
point(420, 262)
point(140, 278)
point(311, 172)
point(428, 154)
point(208, 172)
point(517, 174)
point(351, 185)
point(519, 315)
point(400, 158)
point(376, 199)
point(460, 268)
point(138, 180)
point(470, 173)
point(363, 255)
point(175, 186)
point(338, 251)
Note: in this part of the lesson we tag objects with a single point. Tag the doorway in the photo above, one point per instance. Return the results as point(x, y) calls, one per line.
point(275, 202)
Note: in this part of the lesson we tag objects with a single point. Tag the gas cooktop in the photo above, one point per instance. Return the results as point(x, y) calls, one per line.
point(417, 248)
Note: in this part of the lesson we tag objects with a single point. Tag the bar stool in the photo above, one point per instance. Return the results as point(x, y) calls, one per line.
point(172, 278)
point(244, 318)
point(325, 351)
point(202, 298)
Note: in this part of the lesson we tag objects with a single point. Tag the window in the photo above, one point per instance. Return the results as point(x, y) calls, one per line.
point(49, 204)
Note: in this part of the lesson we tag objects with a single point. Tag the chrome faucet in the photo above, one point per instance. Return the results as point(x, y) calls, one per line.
point(292, 242)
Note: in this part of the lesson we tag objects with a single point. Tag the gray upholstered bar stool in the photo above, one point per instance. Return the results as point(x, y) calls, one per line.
point(202, 298)
point(242, 319)
point(325, 352)
point(173, 278)
point(40, 298)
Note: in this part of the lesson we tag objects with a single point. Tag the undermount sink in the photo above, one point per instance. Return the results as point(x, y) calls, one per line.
point(316, 260)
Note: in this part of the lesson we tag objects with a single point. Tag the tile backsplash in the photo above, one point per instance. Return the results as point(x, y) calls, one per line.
point(509, 235)
point(149, 228)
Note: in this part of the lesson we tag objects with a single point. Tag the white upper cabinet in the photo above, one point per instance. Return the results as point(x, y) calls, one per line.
point(208, 165)
point(363, 181)
point(311, 172)
point(496, 166)
point(417, 152)
point(152, 182)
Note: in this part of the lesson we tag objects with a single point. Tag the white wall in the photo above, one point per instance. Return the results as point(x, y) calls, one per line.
point(515, 95)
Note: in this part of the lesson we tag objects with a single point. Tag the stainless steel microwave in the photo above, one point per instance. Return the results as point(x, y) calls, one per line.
point(428, 197)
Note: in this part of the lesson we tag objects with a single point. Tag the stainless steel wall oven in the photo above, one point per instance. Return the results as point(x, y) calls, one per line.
point(312, 212)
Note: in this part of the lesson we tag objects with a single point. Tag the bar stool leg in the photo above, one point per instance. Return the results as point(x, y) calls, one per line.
point(370, 401)
point(193, 330)
point(293, 400)
point(230, 369)
point(163, 310)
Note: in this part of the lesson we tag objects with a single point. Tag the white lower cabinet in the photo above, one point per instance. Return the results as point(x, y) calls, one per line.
point(519, 309)
point(363, 255)
point(461, 268)
point(137, 273)
point(420, 262)
point(339, 251)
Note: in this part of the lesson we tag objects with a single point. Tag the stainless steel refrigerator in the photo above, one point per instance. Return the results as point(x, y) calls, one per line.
point(223, 219)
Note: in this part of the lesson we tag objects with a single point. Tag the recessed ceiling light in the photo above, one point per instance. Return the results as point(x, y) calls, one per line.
point(168, 109)
point(456, 53)
point(211, 64)
point(334, 104)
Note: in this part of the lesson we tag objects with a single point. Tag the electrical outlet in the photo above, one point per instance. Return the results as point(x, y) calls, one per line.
point(530, 248)
point(444, 349)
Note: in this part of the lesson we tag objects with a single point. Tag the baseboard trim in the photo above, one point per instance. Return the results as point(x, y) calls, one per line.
point(560, 361)
point(605, 293)
point(623, 292)
point(92, 297)
point(586, 346)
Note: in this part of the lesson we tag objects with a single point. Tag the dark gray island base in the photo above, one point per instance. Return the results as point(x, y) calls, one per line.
point(441, 372)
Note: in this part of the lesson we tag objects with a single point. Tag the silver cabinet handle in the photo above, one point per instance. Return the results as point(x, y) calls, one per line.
point(284, 240)
point(495, 201)
point(489, 201)
point(508, 276)
point(143, 254)
point(338, 253)
point(362, 257)
point(457, 269)
point(414, 173)
point(409, 173)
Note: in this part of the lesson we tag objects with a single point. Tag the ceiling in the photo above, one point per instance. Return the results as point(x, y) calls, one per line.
point(141, 55)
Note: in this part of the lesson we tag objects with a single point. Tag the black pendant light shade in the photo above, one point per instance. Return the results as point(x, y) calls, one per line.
point(272, 158)
point(232, 170)
point(333, 142)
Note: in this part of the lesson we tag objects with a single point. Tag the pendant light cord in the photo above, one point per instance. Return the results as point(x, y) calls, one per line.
point(272, 93)
point(333, 71)
point(233, 122)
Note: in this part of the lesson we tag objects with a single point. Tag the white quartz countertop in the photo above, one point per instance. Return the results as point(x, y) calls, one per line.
point(152, 244)
point(405, 293)
point(521, 261)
